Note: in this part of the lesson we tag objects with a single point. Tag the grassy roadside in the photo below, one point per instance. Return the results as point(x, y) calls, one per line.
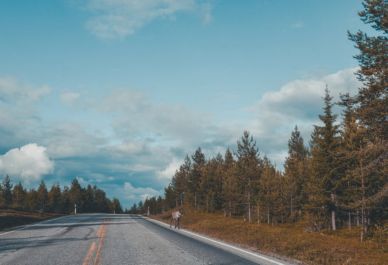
point(288, 240)
point(14, 218)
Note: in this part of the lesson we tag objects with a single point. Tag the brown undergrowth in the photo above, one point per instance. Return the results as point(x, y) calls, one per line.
point(288, 240)
point(14, 218)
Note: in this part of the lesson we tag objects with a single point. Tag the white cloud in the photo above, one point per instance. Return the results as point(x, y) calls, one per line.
point(71, 140)
point(69, 97)
point(169, 171)
point(120, 18)
point(298, 102)
point(206, 12)
point(12, 90)
point(19, 115)
point(135, 114)
point(137, 194)
point(29, 162)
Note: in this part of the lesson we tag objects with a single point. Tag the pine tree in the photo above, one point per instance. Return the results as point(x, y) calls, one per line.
point(116, 206)
point(169, 197)
point(296, 172)
point(370, 110)
point(350, 143)
point(248, 169)
point(32, 200)
point(180, 180)
point(19, 196)
point(42, 196)
point(54, 199)
point(7, 191)
point(269, 187)
point(230, 190)
point(195, 177)
point(325, 160)
point(371, 100)
point(75, 196)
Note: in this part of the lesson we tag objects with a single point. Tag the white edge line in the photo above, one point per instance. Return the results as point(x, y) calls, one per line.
point(31, 225)
point(220, 243)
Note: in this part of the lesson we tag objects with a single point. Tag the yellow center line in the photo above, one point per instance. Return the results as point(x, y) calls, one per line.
point(95, 249)
point(90, 253)
point(97, 260)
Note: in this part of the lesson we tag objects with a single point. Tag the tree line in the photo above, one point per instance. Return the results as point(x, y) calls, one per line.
point(338, 179)
point(56, 199)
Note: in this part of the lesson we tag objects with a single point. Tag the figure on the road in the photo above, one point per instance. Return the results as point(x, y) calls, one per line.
point(175, 217)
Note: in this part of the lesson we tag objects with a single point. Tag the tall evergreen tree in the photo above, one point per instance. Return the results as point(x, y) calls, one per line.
point(54, 199)
point(116, 206)
point(19, 196)
point(42, 196)
point(75, 195)
point(248, 169)
point(370, 110)
point(7, 191)
point(230, 186)
point(326, 159)
point(296, 172)
point(195, 177)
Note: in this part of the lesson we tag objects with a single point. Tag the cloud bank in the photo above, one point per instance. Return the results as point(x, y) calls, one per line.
point(145, 140)
point(298, 102)
point(29, 162)
point(113, 19)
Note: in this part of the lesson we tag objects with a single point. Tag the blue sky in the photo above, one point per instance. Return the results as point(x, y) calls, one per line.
point(116, 92)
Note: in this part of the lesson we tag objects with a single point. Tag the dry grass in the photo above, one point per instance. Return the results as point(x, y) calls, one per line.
point(290, 241)
point(13, 218)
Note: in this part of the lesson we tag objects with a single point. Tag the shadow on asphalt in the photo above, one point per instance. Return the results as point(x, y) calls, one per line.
point(70, 222)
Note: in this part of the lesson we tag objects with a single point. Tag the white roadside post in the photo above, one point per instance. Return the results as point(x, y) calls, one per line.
point(75, 208)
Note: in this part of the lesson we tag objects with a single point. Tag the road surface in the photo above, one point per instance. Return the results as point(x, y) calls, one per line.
point(115, 239)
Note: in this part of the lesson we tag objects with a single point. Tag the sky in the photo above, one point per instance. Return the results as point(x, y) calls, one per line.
point(117, 92)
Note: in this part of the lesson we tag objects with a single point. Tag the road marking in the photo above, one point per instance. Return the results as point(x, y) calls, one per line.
point(94, 253)
point(32, 225)
point(90, 253)
point(101, 233)
point(183, 231)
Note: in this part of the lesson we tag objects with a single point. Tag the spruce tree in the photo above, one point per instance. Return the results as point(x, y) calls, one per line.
point(325, 161)
point(7, 191)
point(296, 173)
point(198, 163)
point(248, 169)
point(370, 110)
point(19, 196)
point(42, 196)
point(230, 186)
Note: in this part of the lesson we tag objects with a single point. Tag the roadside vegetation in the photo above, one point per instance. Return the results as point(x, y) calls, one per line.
point(19, 205)
point(14, 218)
point(288, 240)
point(330, 203)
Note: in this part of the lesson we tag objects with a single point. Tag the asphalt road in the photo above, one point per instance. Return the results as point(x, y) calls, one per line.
point(115, 239)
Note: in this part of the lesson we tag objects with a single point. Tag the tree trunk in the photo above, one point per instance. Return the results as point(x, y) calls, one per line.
point(333, 224)
point(249, 207)
point(230, 208)
point(363, 224)
point(258, 213)
point(249, 201)
point(268, 221)
point(207, 203)
point(349, 221)
point(195, 200)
